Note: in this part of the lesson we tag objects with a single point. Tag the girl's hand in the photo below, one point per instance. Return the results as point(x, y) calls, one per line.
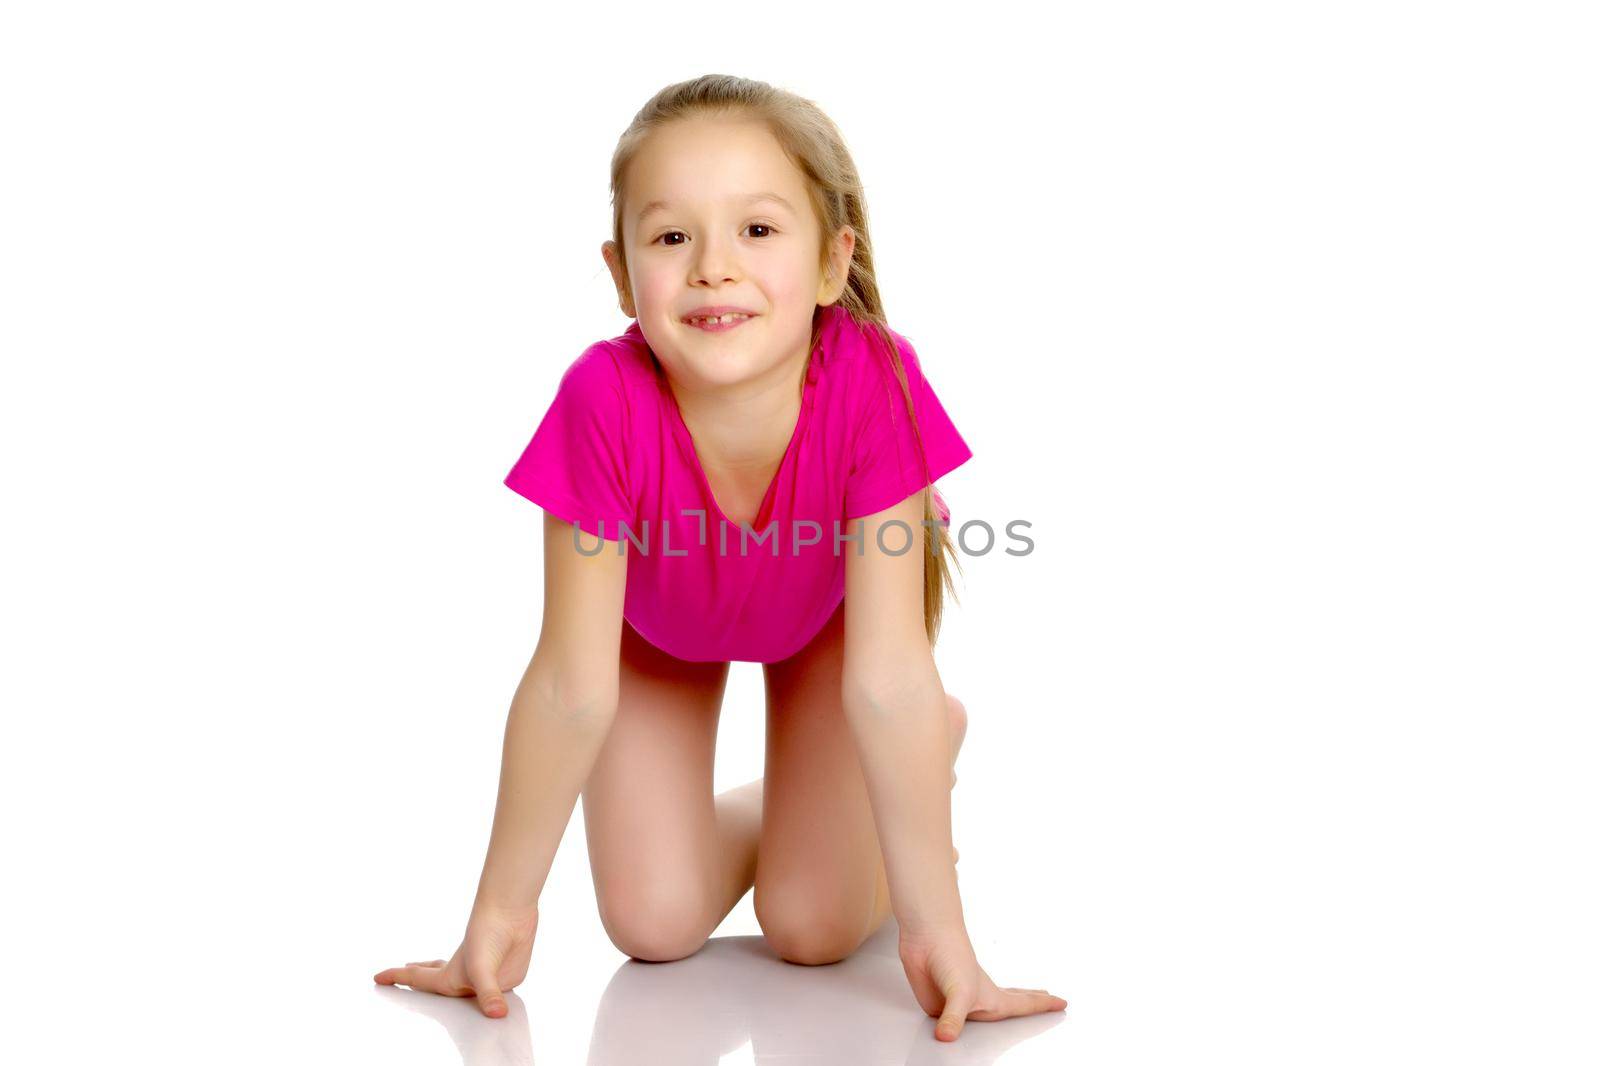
point(951, 986)
point(493, 956)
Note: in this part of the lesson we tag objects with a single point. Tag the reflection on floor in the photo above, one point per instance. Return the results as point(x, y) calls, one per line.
point(733, 994)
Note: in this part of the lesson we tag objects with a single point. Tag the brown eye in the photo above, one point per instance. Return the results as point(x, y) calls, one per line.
point(760, 225)
point(669, 233)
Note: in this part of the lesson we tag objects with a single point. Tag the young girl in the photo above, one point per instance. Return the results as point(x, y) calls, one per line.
point(745, 474)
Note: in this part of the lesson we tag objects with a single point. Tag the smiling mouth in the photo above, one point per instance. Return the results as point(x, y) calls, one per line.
point(717, 323)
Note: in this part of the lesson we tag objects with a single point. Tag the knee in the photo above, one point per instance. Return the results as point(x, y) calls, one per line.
point(654, 923)
point(806, 928)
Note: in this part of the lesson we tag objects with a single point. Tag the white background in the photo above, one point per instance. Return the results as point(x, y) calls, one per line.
point(1278, 322)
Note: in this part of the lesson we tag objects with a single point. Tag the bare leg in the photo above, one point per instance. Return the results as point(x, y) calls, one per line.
point(739, 826)
point(821, 888)
point(669, 858)
point(739, 830)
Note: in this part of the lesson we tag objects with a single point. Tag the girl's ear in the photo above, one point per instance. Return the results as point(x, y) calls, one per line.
point(836, 271)
point(619, 277)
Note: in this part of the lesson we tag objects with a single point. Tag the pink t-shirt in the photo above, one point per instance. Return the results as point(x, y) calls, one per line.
point(613, 456)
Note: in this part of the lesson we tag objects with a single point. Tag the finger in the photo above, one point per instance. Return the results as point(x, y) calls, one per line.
point(954, 1016)
point(490, 999)
point(1019, 1001)
point(391, 976)
point(381, 974)
point(423, 978)
point(398, 975)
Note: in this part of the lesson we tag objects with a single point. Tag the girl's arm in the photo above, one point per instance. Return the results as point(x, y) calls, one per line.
point(559, 716)
point(895, 704)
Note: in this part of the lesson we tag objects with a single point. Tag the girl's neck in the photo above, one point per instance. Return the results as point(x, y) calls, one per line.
point(741, 431)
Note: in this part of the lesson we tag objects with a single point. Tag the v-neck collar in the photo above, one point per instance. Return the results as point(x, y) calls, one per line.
point(686, 439)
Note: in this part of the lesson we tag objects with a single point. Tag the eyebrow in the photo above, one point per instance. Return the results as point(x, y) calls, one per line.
point(755, 197)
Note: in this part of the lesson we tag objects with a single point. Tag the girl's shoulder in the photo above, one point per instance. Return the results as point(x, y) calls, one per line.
point(631, 352)
point(891, 451)
point(615, 372)
point(855, 355)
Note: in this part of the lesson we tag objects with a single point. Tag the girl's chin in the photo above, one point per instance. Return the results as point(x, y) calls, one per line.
point(723, 374)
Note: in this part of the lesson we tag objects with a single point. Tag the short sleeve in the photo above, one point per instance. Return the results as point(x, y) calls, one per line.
point(886, 466)
point(575, 466)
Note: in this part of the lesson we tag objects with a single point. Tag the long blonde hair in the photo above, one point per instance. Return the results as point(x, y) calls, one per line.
point(814, 145)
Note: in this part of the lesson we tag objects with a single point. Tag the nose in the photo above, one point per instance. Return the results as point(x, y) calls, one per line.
point(716, 263)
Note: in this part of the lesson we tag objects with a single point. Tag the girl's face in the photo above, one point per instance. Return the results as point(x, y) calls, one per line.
point(715, 215)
